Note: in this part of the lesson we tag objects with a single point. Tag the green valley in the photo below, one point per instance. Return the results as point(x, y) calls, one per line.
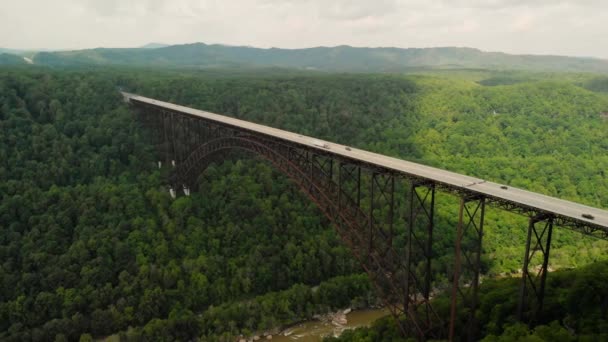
point(92, 245)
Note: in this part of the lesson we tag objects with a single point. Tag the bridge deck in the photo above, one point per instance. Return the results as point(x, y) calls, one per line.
point(494, 191)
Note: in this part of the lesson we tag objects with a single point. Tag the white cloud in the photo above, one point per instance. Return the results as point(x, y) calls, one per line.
point(523, 22)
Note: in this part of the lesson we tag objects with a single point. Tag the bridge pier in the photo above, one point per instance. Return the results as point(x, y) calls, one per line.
point(540, 230)
point(419, 248)
point(468, 244)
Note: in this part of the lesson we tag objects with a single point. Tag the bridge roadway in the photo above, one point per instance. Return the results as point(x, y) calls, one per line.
point(524, 201)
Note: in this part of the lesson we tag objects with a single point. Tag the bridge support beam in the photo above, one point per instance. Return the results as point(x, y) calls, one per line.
point(164, 150)
point(349, 185)
point(419, 249)
point(466, 274)
point(532, 290)
point(381, 214)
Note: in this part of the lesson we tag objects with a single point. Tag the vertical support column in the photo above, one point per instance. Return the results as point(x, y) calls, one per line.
point(166, 139)
point(199, 133)
point(206, 133)
point(331, 170)
point(408, 249)
point(181, 140)
point(181, 146)
point(189, 146)
point(419, 234)
point(340, 188)
point(391, 212)
point(186, 137)
point(173, 144)
point(468, 249)
point(193, 135)
point(371, 214)
point(421, 199)
point(324, 166)
point(540, 230)
point(380, 221)
point(159, 120)
point(359, 186)
point(152, 118)
point(159, 140)
point(349, 197)
point(312, 158)
point(169, 128)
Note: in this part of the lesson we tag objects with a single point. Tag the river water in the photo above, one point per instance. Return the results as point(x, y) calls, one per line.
point(314, 331)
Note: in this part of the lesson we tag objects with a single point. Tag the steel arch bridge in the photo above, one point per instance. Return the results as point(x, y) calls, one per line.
point(373, 199)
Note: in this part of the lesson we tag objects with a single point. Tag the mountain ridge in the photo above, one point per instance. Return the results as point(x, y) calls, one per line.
point(341, 58)
point(11, 59)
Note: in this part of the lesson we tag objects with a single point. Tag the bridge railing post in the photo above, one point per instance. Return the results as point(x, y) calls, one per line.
point(540, 230)
point(469, 235)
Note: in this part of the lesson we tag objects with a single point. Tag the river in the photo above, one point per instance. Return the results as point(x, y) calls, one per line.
point(314, 331)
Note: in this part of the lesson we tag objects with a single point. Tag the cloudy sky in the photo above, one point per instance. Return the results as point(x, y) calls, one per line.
point(568, 27)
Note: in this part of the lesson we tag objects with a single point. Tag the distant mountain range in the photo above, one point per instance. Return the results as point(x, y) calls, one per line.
point(339, 58)
point(12, 51)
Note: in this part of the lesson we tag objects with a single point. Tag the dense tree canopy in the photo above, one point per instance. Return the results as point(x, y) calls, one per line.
point(91, 242)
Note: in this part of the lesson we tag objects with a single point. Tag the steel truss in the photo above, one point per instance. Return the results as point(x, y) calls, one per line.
point(360, 200)
point(369, 236)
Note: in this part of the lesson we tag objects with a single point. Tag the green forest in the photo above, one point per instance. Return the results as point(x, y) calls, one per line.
point(92, 245)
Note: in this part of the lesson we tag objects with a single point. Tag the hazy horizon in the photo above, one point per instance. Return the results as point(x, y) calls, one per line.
point(298, 48)
point(542, 27)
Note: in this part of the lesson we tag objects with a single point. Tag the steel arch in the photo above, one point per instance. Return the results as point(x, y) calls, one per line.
point(353, 225)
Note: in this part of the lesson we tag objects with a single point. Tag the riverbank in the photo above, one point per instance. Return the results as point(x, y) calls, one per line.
point(330, 324)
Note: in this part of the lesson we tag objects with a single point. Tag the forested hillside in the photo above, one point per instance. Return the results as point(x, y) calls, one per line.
point(91, 242)
point(333, 59)
point(10, 59)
